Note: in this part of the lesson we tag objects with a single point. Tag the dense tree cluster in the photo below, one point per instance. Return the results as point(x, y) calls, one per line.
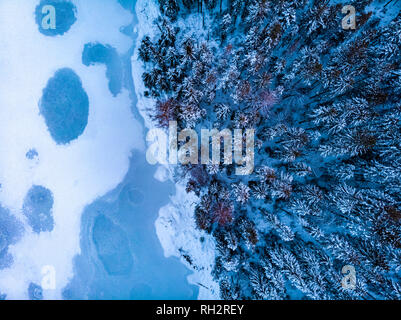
point(325, 103)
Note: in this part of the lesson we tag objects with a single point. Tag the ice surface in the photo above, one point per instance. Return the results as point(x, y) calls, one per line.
point(124, 256)
point(76, 173)
point(10, 232)
point(95, 53)
point(112, 246)
point(65, 18)
point(31, 154)
point(65, 106)
point(133, 195)
point(35, 292)
point(37, 208)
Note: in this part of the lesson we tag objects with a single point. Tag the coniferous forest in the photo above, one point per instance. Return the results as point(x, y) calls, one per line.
point(325, 103)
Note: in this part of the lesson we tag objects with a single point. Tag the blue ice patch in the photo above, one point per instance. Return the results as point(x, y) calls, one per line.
point(32, 153)
point(37, 208)
point(95, 53)
point(35, 292)
point(128, 4)
point(133, 195)
point(65, 106)
point(65, 17)
point(112, 246)
point(10, 232)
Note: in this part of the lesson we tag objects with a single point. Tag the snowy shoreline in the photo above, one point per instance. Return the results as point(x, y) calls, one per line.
point(175, 226)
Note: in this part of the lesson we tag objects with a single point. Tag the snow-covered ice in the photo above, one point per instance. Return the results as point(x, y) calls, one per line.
point(76, 173)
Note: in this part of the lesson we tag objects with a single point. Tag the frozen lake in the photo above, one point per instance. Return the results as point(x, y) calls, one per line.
point(121, 254)
point(76, 191)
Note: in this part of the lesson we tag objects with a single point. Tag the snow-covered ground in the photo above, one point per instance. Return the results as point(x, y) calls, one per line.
point(175, 225)
point(76, 173)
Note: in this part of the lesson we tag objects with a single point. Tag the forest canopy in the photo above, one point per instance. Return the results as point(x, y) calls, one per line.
point(325, 104)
